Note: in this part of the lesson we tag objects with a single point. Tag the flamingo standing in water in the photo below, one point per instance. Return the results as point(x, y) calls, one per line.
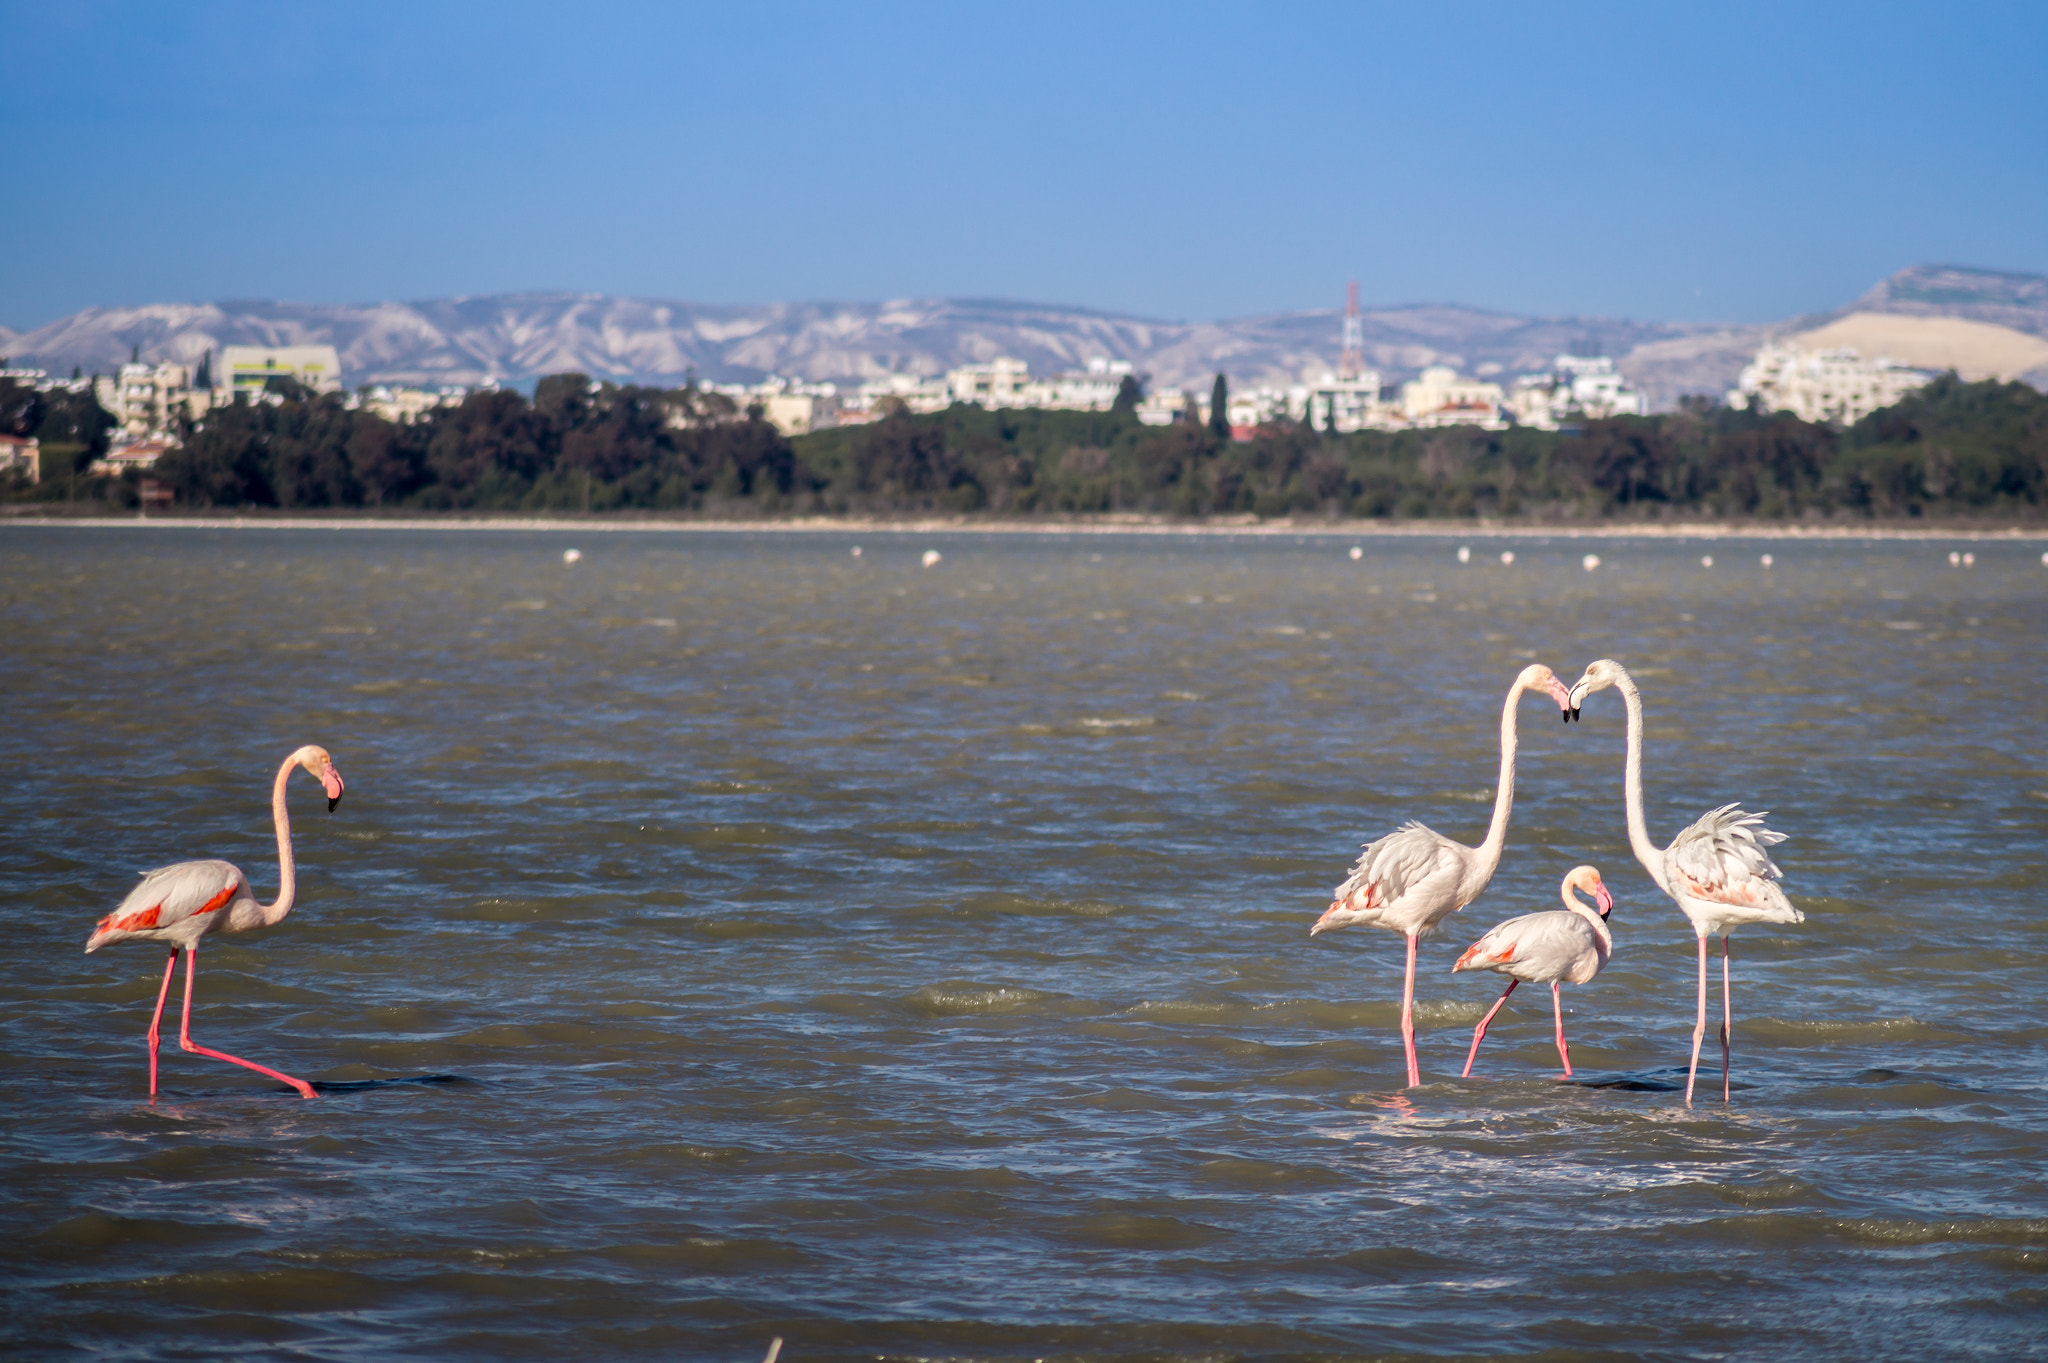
point(1716, 871)
point(1546, 948)
point(183, 902)
point(1414, 877)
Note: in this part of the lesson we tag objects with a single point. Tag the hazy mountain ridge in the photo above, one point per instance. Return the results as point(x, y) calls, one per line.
point(516, 337)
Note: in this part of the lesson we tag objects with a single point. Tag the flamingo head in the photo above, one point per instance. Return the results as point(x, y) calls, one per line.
point(1338, 915)
point(1537, 677)
point(321, 767)
point(1599, 676)
point(1587, 879)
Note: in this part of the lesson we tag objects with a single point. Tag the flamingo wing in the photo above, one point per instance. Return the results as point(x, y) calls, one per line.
point(168, 896)
point(1538, 947)
point(1410, 862)
point(1721, 859)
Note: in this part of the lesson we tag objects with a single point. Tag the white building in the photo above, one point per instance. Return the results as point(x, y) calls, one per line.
point(791, 406)
point(147, 399)
point(1091, 390)
point(247, 368)
point(1440, 398)
point(1825, 385)
point(999, 383)
point(132, 454)
point(914, 391)
point(1578, 387)
point(1345, 403)
point(23, 455)
point(403, 406)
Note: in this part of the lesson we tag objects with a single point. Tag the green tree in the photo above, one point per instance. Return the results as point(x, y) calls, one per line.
point(1219, 408)
point(1128, 395)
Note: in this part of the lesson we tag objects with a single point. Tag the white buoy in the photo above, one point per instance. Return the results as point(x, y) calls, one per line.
point(1464, 554)
point(1765, 560)
point(1508, 556)
point(1706, 560)
point(1954, 558)
point(1356, 553)
point(1969, 560)
point(1590, 562)
point(856, 551)
point(2044, 560)
point(932, 556)
point(572, 556)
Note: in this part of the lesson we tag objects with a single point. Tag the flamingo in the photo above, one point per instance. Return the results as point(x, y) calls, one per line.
point(1414, 877)
point(1546, 948)
point(183, 902)
point(1716, 871)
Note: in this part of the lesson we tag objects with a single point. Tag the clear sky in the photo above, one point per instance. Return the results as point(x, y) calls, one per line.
point(1644, 159)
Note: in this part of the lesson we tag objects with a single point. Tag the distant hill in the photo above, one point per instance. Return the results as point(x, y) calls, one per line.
point(2019, 301)
point(517, 337)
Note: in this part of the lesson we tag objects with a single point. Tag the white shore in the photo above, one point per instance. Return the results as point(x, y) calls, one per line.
point(1107, 525)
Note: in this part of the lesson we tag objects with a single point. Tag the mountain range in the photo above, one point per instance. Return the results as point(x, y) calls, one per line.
point(518, 337)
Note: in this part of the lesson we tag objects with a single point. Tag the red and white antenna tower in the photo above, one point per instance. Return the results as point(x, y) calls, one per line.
point(1352, 364)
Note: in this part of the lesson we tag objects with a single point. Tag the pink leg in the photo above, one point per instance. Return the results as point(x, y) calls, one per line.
point(1479, 1032)
point(1408, 1015)
point(156, 1021)
point(1564, 1052)
point(1726, 1019)
point(1699, 1030)
point(185, 1034)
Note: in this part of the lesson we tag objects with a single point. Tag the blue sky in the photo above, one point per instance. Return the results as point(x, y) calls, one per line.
point(1741, 162)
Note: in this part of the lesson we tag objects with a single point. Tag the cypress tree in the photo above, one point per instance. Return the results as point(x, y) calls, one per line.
point(1219, 408)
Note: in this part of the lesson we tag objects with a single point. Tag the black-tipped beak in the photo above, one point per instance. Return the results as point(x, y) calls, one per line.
point(1575, 712)
point(332, 801)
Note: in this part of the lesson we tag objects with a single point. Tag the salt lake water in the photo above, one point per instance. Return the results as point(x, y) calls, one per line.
point(727, 937)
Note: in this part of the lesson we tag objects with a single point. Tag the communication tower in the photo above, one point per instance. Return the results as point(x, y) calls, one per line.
point(1352, 363)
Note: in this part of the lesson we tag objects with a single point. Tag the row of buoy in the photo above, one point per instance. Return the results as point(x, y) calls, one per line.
point(1590, 562)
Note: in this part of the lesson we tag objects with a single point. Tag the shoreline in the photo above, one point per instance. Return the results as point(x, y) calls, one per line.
point(929, 525)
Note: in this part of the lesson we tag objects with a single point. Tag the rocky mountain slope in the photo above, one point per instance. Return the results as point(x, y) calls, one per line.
point(517, 337)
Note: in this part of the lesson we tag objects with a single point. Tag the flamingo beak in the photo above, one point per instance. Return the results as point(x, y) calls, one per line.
point(1563, 699)
point(1572, 702)
point(1603, 899)
point(1324, 924)
point(331, 781)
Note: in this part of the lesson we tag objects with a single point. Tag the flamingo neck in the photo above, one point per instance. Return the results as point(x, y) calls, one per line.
point(1489, 851)
point(1632, 783)
point(287, 878)
point(1590, 914)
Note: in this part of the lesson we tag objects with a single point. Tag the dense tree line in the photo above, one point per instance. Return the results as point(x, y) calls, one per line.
point(1951, 449)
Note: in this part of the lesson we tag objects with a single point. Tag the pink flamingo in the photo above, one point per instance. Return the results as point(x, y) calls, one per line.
point(1546, 948)
point(1413, 878)
point(181, 903)
point(1716, 871)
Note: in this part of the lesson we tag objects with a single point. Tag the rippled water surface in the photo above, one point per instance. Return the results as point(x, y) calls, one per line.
point(726, 936)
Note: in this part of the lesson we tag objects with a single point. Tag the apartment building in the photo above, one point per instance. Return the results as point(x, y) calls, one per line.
point(1440, 398)
point(1577, 387)
point(1837, 386)
point(149, 399)
point(245, 369)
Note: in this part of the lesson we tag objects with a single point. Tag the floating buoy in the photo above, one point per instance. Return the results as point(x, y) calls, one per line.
point(1765, 560)
point(1464, 554)
point(932, 556)
point(1356, 553)
point(1508, 556)
point(1954, 558)
point(1969, 560)
point(1590, 562)
point(572, 556)
point(856, 551)
point(1706, 560)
